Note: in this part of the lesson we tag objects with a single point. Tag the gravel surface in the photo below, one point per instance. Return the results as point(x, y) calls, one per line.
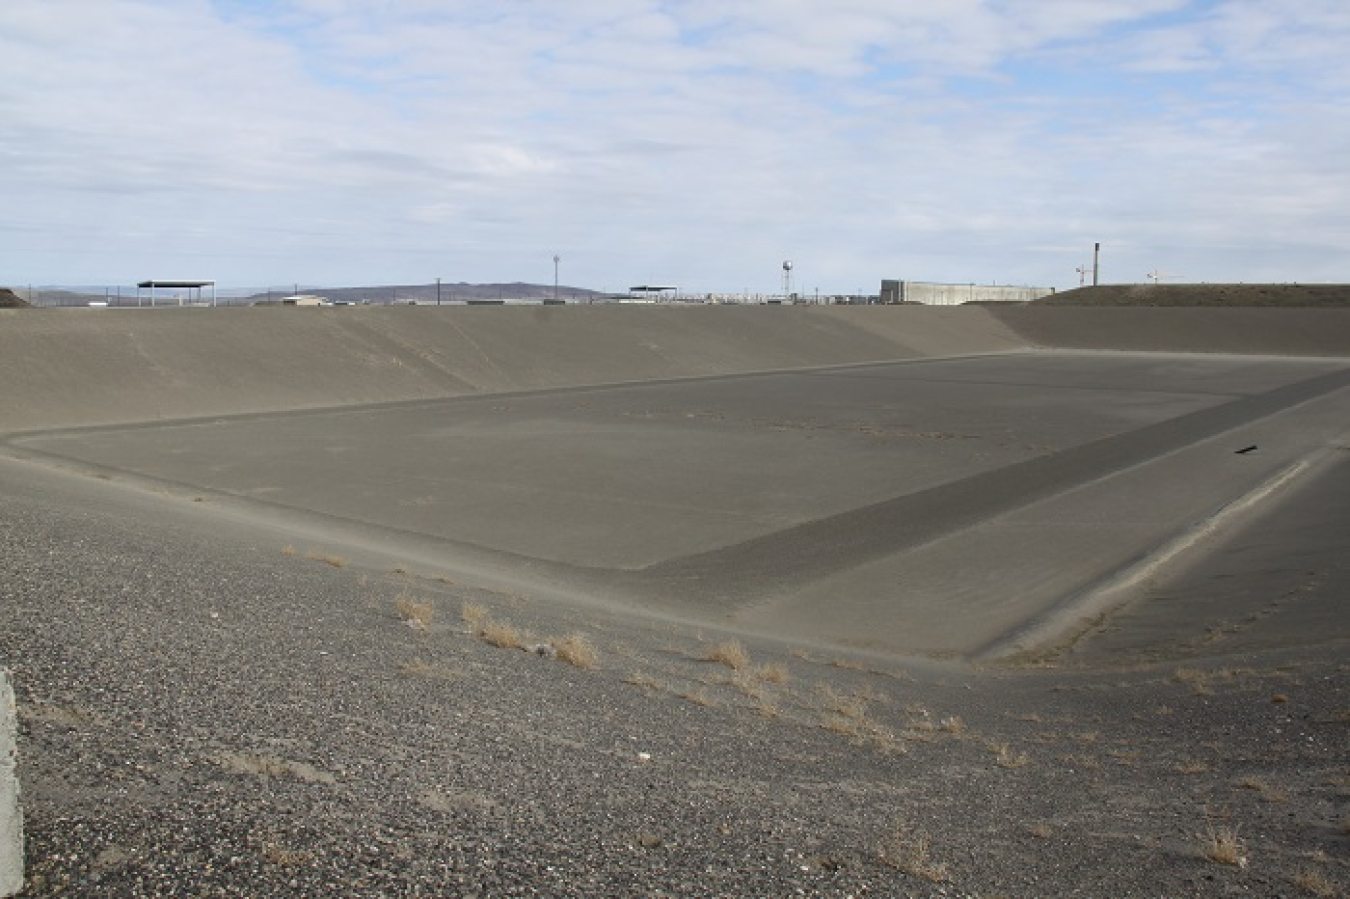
point(212, 711)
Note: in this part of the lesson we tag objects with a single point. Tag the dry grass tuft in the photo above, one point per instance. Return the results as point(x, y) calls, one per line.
point(767, 708)
point(1041, 830)
point(414, 613)
point(1006, 757)
point(697, 696)
point(1223, 846)
point(838, 724)
point(288, 550)
point(774, 674)
point(327, 559)
point(642, 679)
point(911, 854)
point(850, 707)
point(1192, 766)
point(749, 686)
point(1315, 883)
point(730, 653)
point(577, 651)
point(472, 614)
point(952, 725)
point(500, 634)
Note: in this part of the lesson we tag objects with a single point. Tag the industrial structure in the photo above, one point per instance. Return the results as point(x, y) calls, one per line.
point(152, 285)
point(931, 294)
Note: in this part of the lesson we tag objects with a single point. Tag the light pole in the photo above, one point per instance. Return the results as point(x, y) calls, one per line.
point(556, 260)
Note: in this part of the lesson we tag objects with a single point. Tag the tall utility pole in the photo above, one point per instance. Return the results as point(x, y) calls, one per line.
point(438, 291)
point(1096, 263)
point(556, 260)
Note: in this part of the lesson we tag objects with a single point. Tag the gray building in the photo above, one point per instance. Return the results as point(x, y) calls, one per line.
point(931, 294)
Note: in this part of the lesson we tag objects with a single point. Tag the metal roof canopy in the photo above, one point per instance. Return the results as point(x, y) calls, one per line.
point(175, 285)
point(648, 290)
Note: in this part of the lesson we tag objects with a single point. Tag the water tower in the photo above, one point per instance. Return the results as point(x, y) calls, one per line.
point(787, 279)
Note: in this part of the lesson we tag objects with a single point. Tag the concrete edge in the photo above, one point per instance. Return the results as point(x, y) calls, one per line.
point(11, 813)
point(1063, 625)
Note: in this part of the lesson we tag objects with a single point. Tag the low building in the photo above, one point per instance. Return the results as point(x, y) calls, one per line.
point(932, 294)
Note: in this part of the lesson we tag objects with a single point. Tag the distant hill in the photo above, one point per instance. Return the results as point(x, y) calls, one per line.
point(426, 293)
point(1292, 295)
point(10, 300)
point(387, 293)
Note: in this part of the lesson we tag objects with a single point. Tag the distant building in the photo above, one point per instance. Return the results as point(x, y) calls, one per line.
point(931, 294)
point(300, 299)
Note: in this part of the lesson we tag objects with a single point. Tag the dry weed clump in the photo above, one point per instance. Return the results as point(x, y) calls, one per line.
point(767, 708)
point(1223, 846)
point(500, 634)
point(1006, 757)
point(730, 653)
point(773, 673)
point(697, 696)
point(577, 651)
point(850, 707)
point(327, 559)
point(911, 854)
point(472, 614)
point(642, 679)
point(748, 685)
point(1315, 883)
point(414, 613)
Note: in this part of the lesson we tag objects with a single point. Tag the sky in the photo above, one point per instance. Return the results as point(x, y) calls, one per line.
point(695, 143)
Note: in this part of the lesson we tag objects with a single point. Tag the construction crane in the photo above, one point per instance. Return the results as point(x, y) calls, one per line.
point(1083, 272)
point(1157, 277)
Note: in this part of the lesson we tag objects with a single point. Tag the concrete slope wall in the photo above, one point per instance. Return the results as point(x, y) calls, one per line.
point(1262, 331)
point(101, 366)
point(65, 367)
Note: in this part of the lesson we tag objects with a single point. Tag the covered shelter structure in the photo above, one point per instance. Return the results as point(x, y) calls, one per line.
point(652, 293)
point(152, 285)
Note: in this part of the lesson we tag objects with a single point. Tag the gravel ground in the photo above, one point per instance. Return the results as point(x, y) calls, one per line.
point(214, 712)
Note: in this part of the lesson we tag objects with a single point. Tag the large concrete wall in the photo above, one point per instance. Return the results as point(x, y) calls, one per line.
point(931, 294)
point(65, 367)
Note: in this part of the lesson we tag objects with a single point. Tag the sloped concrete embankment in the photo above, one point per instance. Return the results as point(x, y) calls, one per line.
point(62, 368)
point(1243, 331)
point(73, 367)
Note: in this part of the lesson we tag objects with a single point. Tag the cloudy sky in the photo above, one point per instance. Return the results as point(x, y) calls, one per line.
point(690, 142)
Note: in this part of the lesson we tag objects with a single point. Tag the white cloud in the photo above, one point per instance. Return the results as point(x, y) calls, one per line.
point(333, 141)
